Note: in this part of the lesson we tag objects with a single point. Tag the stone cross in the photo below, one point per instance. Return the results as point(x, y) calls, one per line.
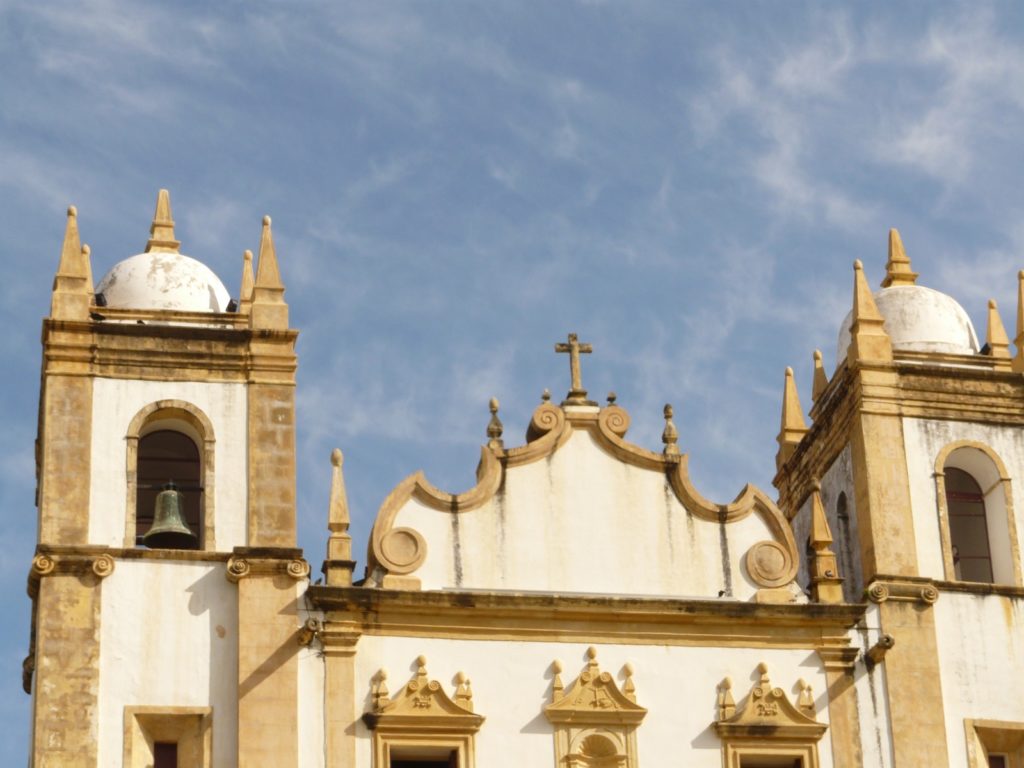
point(577, 394)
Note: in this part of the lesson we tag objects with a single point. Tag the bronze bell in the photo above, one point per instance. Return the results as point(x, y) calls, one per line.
point(169, 529)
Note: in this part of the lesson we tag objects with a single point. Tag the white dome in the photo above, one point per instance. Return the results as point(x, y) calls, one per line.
point(162, 280)
point(919, 319)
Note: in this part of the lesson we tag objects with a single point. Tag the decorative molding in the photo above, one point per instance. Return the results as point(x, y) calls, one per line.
point(422, 715)
point(100, 564)
point(593, 719)
point(520, 617)
point(880, 591)
point(241, 567)
point(767, 723)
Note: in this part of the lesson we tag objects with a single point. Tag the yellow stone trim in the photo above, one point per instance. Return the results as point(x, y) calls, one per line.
point(354, 611)
point(899, 590)
point(943, 512)
point(191, 728)
point(766, 723)
point(999, 736)
point(141, 424)
point(241, 567)
point(422, 719)
point(593, 718)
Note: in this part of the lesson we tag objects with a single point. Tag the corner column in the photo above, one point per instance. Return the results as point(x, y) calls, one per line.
point(268, 582)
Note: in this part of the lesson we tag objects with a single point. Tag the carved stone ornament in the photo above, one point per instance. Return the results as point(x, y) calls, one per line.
point(767, 713)
point(914, 592)
point(595, 722)
point(239, 568)
point(422, 704)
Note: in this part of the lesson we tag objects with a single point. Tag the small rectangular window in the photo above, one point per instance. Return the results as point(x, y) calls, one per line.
point(165, 755)
point(451, 761)
point(997, 761)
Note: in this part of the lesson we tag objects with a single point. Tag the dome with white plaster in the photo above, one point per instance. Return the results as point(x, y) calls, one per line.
point(919, 319)
point(161, 277)
point(162, 280)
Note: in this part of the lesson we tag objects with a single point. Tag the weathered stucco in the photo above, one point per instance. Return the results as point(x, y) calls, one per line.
point(581, 520)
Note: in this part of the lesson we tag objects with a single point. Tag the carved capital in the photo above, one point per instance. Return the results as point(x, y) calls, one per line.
point(103, 566)
point(239, 567)
point(902, 591)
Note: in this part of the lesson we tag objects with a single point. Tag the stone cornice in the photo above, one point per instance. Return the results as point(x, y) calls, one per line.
point(351, 611)
point(185, 351)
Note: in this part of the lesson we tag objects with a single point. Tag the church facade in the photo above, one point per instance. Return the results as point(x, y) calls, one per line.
point(583, 605)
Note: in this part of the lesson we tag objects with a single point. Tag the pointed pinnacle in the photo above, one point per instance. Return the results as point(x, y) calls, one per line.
point(1018, 340)
point(161, 231)
point(793, 426)
point(897, 270)
point(821, 535)
point(248, 281)
point(337, 517)
point(868, 339)
point(820, 382)
point(995, 336)
point(267, 273)
point(71, 252)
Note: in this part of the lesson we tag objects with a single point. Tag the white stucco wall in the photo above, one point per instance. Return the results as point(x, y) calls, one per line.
point(168, 637)
point(583, 521)
point(924, 439)
point(512, 684)
point(115, 404)
point(981, 656)
point(872, 701)
point(311, 694)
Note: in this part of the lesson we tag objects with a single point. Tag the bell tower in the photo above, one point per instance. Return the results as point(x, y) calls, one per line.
point(166, 570)
point(902, 490)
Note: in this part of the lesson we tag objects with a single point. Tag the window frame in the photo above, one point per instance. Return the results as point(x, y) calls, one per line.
point(997, 736)
point(986, 468)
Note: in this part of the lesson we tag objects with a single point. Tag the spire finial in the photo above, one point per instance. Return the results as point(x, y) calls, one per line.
point(577, 394)
point(245, 293)
point(826, 584)
point(868, 339)
point(269, 309)
point(339, 565)
point(670, 435)
point(72, 285)
point(820, 383)
point(793, 426)
point(545, 396)
point(897, 270)
point(1018, 340)
point(996, 340)
point(494, 426)
point(161, 231)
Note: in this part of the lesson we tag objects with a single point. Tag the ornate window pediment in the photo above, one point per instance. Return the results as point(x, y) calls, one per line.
point(423, 721)
point(768, 724)
point(595, 722)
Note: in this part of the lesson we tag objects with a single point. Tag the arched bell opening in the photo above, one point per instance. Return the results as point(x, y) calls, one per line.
point(170, 442)
point(169, 491)
point(976, 520)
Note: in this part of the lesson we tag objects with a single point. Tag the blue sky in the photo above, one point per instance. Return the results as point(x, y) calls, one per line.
point(455, 186)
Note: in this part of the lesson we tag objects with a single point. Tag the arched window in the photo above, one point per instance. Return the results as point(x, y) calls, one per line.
point(976, 521)
point(968, 529)
point(168, 456)
point(170, 441)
